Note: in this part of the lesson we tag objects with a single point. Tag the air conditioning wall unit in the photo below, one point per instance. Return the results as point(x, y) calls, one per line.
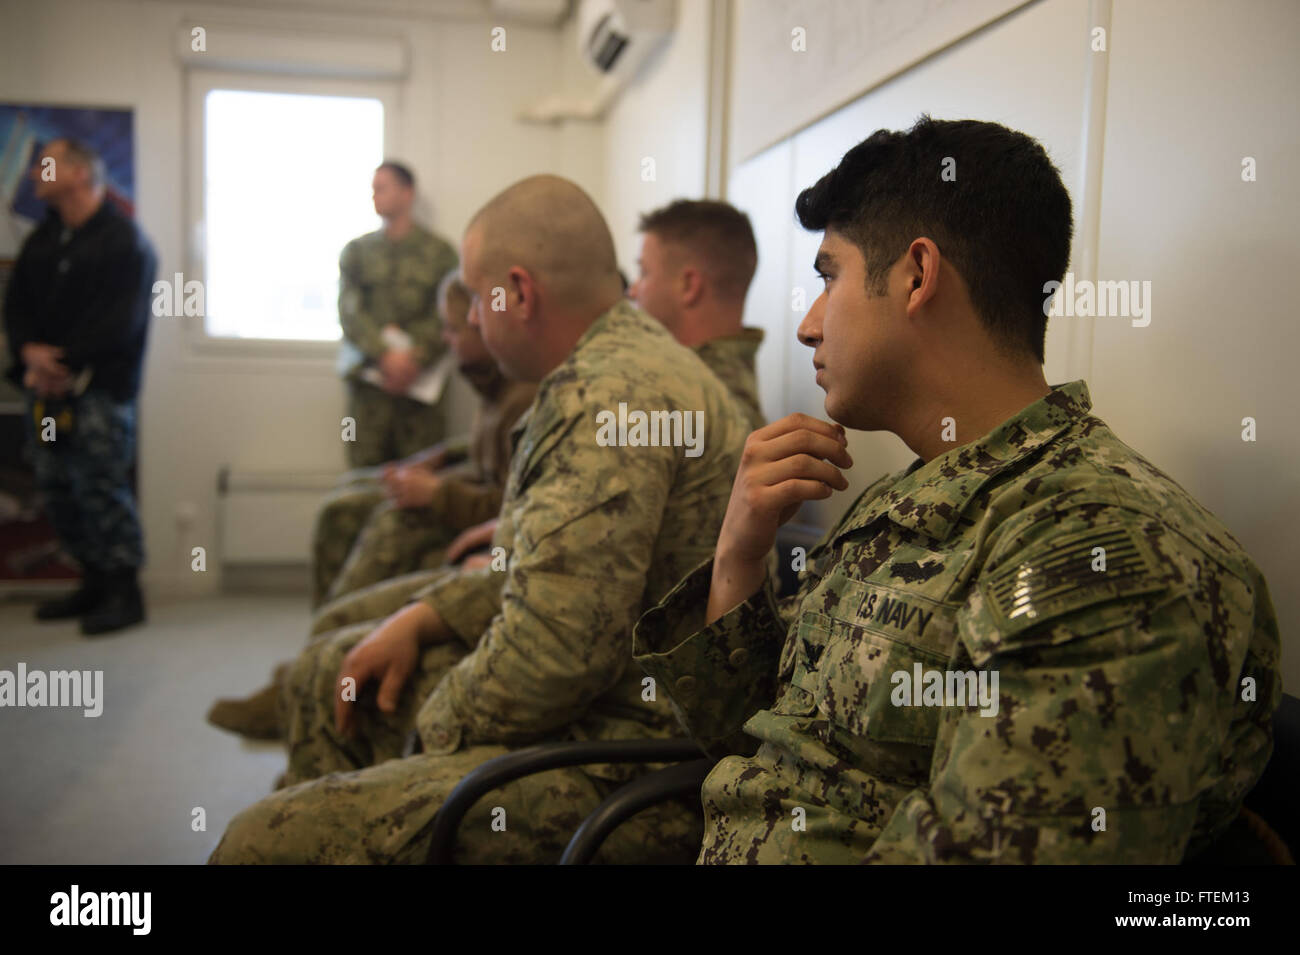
point(615, 38)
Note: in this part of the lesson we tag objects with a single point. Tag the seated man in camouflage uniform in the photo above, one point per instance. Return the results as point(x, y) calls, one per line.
point(381, 525)
point(697, 259)
point(1031, 645)
point(597, 523)
point(404, 518)
point(696, 262)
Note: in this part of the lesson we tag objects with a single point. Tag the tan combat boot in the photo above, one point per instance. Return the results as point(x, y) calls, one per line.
point(257, 716)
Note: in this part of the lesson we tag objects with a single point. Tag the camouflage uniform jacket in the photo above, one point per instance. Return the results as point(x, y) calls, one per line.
point(382, 282)
point(594, 535)
point(732, 360)
point(1125, 689)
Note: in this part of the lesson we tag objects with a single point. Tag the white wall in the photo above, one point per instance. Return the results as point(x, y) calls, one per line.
point(456, 128)
point(663, 116)
point(1193, 90)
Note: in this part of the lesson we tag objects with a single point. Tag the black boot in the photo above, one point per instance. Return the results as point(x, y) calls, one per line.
point(81, 601)
point(121, 607)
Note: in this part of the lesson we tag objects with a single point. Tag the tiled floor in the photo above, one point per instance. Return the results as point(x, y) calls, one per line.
point(123, 787)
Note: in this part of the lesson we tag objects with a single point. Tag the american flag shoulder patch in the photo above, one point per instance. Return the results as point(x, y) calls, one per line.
point(1069, 573)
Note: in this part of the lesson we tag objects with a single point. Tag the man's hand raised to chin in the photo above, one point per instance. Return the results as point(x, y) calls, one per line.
point(787, 462)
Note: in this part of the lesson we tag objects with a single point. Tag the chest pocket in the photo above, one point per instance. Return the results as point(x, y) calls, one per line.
point(860, 640)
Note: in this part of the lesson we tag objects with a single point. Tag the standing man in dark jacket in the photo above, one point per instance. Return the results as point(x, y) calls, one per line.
point(77, 314)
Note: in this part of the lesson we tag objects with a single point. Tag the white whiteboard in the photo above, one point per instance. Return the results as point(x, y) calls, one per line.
point(850, 46)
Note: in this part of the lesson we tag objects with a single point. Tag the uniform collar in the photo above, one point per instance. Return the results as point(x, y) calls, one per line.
point(743, 344)
point(620, 311)
point(607, 322)
point(931, 497)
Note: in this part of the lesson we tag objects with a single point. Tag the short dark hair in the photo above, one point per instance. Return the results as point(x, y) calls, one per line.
point(1004, 222)
point(717, 232)
point(402, 172)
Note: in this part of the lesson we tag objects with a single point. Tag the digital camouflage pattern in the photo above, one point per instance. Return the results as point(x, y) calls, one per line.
point(389, 426)
point(593, 535)
point(84, 476)
point(1119, 689)
point(379, 600)
point(361, 538)
point(732, 358)
point(386, 282)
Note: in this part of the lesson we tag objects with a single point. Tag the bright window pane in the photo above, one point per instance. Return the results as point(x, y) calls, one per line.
point(286, 185)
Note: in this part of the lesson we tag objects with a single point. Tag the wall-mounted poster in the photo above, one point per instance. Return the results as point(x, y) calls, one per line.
point(30, 557)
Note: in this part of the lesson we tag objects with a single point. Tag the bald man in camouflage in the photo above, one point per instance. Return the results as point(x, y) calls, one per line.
point(388, 283)
point(387, 522)
point(1031, 645)
point(594, 529)
point(695, 265)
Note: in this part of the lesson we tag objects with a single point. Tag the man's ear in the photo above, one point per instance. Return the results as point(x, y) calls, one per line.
point(691, 283)
point(921, 263)
point(523, 289)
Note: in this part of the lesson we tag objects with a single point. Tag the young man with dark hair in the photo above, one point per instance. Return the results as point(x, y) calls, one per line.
point(1031, 645)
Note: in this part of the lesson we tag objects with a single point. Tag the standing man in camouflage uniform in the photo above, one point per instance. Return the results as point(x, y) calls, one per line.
point(388, 282)
point(77, 318)
point(595, 527)
point(1029, 646)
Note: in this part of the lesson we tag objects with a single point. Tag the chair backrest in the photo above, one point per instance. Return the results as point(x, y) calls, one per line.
point(1275, 798)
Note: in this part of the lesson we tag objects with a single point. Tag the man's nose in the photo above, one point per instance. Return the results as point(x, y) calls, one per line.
point(809, 331)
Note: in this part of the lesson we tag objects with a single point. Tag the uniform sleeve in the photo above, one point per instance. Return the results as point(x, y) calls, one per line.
point(467, 502)
point(120, 306)
point(456, 448)
point(359, 327)
point(583, 540)
point(1109, 718)
point(426, 329)
point(466, 600)
point(719, 675)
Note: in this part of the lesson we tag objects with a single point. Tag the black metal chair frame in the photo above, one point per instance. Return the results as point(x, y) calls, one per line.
point(623, 803)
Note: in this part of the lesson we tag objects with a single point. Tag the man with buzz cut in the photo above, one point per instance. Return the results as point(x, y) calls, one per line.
point(697, 259)
point(392, 335)
point(1128, 639)
point(591, 533)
